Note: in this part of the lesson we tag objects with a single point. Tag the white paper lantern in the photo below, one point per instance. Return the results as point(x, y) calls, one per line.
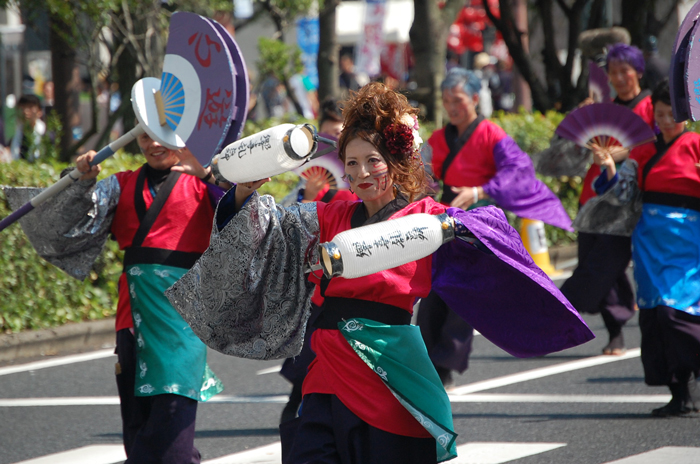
point(268, 153)
point(385, 245)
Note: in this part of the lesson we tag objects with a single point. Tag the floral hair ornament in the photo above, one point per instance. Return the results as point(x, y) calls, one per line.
point(403, 138)
point(412, 122)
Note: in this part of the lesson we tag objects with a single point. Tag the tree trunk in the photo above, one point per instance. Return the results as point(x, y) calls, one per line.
point(130, 68)
point(75, 146)
point(428, 36)
point(327, 61)
point(292, 96)
point(523, 99)
point(512, 38)
point(596, 15)
point(551, 60)
point(62, 64)
point(639, 17)
point(634, 18)
point(570, 93)
point(126, 78)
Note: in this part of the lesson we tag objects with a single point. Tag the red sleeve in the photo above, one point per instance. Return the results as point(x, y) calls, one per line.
point(424, 205)
point(322, 192)
point(641, 155)
point(333, 217)
point(645, 110)
point(495, 134)
point(440, 150)
point(123, 176)
point(340, 195)
point(344, 195)
point(321, 214)
point(676, 172)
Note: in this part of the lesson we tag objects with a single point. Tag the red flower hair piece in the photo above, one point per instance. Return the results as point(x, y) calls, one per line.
point(399, 139)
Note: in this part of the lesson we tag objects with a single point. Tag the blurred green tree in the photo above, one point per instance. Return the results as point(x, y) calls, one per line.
point(117, 41)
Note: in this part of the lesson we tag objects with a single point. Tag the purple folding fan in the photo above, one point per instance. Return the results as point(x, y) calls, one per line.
point(683, 73)
point(692, 73)
point(598, 87)
point(242, 85)
point(605, 125)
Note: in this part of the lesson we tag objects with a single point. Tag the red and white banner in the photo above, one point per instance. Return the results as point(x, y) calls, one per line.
point(369, 47)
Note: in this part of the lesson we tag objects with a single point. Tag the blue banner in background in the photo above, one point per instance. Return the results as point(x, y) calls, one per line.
point(307, 39)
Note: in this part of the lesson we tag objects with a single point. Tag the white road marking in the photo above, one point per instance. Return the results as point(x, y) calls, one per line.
point(269, 454)
point(235, 399)
point(282, 399)
point(665, 455)
point(538, 398)
point(114, 400)
point(470, 453)
point(496, 453)
point(569, 263)
point(64, 401)
point(94, 454)
point(62, 361)
point(270, 370)
point(543, 372)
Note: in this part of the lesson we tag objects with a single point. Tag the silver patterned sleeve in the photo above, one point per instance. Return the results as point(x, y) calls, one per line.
point(70, 229)
point(248, 295)
point(562, 158)
point(616, 211)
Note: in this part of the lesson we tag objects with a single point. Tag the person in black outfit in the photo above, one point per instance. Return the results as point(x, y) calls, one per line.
point(656, 68)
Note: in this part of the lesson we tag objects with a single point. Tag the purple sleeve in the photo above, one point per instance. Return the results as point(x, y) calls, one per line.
point(503, 294)
point(516, 188)
point(215, 193)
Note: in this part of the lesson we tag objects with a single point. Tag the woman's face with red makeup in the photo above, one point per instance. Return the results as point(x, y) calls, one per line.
point(367, 171)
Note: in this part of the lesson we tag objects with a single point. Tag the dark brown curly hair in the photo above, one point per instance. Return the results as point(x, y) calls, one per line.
point(367, 113)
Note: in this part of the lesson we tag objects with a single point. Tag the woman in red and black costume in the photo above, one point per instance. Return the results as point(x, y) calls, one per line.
point(600, 283)
point(661, 181)
point(479, 165)
point(317, 188)
point(249, 295)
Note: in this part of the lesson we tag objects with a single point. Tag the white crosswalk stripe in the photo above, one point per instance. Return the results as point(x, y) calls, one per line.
point(94, 454)
point(270, 454)
point(55, 362)
point(497, 453)
point(543, 372)
point(468, 453)
point(282, 399)
point(665, 455)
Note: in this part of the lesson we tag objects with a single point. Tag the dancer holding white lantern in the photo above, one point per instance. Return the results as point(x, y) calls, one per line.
point(372, 394)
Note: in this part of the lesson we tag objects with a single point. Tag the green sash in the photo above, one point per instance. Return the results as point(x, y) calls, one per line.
point(398, 355)
point(171, 359)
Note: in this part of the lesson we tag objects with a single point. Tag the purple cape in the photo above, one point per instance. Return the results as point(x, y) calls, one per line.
point(504, 295)
point(516, 188)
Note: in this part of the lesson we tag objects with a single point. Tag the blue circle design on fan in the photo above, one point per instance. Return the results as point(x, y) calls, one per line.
point(173, 93)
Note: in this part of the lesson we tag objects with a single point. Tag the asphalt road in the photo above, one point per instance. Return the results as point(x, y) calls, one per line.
point(573, 407)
